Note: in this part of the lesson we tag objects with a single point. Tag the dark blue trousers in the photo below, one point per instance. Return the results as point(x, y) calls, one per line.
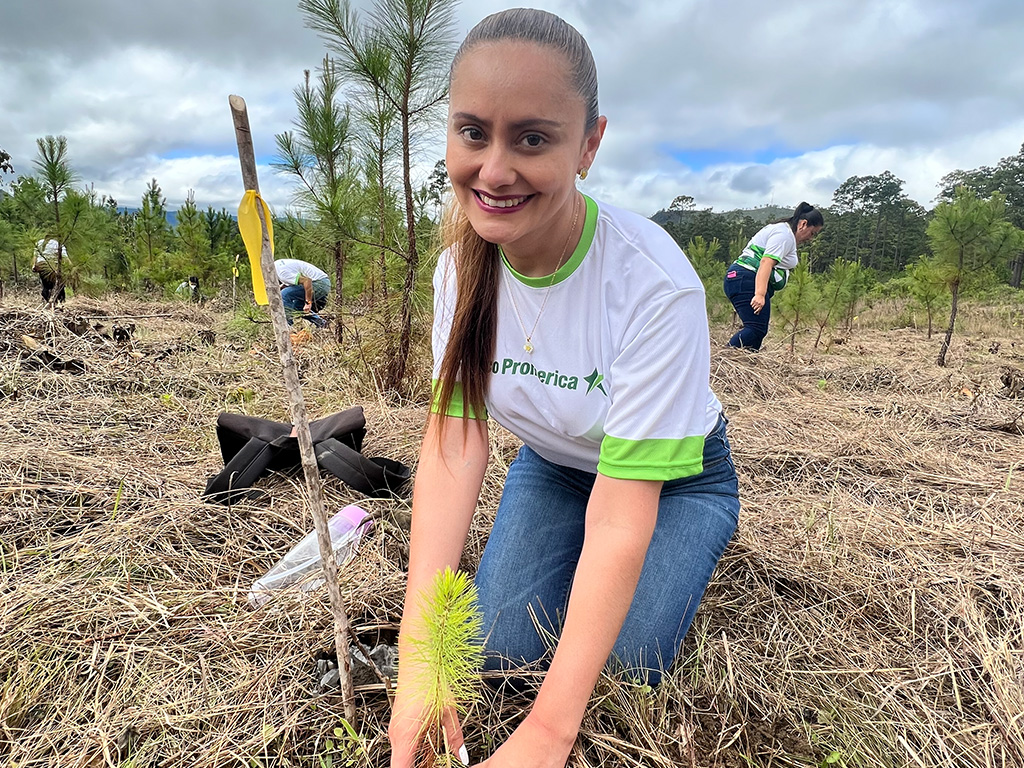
point(739, 287)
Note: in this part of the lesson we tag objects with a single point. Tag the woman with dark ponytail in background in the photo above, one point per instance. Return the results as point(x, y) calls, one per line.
point(763, 268)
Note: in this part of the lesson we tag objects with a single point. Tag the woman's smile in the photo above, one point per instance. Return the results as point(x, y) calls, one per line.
point(504, 204)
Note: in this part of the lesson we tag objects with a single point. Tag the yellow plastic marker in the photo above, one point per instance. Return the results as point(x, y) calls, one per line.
point(252, 235)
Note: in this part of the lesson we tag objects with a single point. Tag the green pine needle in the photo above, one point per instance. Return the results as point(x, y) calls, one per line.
point(449, 648)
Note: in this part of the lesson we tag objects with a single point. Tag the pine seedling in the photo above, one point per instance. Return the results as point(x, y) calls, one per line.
point(448, 652)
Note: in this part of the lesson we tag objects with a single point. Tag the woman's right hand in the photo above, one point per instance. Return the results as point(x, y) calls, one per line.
point(405, 732)
point(757, 303)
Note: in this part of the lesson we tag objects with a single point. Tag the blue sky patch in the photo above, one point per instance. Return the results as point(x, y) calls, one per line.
point(183, 153)
point(699, 159)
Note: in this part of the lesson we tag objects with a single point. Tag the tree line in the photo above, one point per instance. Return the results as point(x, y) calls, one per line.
point(358, 214)
point(877, 241)
point(870, 221)
point(109, 246)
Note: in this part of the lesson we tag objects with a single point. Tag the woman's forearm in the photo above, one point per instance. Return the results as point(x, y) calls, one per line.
point(764, 273)
point(307, 286)
point(448, 480)
point(620, 522)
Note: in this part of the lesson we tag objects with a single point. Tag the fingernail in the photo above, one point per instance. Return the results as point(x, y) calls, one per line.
point(464, 755)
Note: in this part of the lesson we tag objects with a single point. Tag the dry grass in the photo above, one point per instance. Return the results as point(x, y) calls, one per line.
point(869, 611)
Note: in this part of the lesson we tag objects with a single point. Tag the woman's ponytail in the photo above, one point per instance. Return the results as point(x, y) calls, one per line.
point(804, 212)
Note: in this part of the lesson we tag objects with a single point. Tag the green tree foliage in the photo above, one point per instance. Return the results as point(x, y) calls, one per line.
point(682, 203)
point(969, 234)
point(703, 255)
point(447, 652)
point(57, 178)
point(152, 232)
point(5, 163)
point(872, 222)
point(107, 247)
point(377, 127)
point(926, 283)
point(192, 242)
point(318, 155)
point(23, 214)
point(91, 228)
point(797, 302)
point(1007, 178)
point(398, 59)
point(838, 296)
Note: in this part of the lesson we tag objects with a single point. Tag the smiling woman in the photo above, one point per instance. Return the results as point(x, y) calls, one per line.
point(581, 328)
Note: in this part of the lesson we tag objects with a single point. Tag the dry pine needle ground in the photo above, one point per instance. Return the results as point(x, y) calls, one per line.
point(869, 611)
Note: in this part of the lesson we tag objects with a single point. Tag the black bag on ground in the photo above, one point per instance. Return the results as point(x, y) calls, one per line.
point(252, 447)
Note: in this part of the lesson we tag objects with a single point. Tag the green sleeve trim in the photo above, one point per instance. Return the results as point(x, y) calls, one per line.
point(456, 407)
point(658, 459)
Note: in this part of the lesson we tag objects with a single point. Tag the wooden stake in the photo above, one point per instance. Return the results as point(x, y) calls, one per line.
point(300, 421)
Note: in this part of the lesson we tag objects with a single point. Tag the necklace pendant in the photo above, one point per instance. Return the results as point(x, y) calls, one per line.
point(528, 347)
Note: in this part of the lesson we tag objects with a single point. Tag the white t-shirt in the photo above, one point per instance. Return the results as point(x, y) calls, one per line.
point(290, 270)
point(776, 241)
point(617, 381)
point(46, 255)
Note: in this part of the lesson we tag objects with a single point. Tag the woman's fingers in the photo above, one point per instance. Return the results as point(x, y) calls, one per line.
point(402, 756)
point(453, 734)
point(405, 733)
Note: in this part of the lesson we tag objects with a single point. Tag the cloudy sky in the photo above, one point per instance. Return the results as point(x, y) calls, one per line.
point(737, 103)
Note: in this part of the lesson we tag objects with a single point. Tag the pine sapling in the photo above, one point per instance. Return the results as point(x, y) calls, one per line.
point(448, 653)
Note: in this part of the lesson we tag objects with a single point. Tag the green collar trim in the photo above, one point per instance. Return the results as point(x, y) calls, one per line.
point(578, 254)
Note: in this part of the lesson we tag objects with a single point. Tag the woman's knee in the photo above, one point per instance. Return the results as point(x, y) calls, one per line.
point(517, 636)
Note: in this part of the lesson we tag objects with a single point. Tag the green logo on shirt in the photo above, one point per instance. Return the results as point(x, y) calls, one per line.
point(510, 367)
point(594, 381)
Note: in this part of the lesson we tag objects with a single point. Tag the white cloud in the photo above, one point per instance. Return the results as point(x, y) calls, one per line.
point(852, 87)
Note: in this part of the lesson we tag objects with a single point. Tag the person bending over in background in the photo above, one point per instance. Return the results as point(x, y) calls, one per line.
point(763, 268)
point(45, 265)
point(304, 290)
point(581, 327)
point(189, 289)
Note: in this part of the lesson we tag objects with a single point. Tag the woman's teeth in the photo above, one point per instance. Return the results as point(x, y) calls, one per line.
point(510, 203)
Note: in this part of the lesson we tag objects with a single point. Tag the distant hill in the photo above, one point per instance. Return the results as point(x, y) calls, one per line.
point(761, 215)
point(171, 216)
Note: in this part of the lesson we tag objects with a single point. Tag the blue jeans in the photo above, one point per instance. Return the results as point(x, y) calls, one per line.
point(294, 299)
point(739, 287)
point(530, 560)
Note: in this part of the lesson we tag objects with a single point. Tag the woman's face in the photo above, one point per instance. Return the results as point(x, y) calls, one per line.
point(805, 232)
point(515, 143)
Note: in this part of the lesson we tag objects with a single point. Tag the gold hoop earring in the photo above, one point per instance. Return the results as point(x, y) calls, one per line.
point(583, 174)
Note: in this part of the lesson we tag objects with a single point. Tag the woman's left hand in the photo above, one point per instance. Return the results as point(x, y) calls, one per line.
point(531, 745)
point(757, 303)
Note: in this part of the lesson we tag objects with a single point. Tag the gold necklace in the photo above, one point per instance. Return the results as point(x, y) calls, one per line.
point(528, 346)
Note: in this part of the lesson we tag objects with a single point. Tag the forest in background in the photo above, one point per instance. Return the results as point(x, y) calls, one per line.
point(358, 213)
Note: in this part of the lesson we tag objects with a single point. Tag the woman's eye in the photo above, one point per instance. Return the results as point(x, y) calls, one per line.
point(471, 133)
point(533, 140)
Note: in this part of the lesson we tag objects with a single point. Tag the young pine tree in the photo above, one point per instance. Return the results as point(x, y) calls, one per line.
point(448, 653)
point(926, 283)
point(967, 235)
point(798, 301)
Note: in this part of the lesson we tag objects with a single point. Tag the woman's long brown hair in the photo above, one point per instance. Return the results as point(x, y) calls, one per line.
point(467, 358)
